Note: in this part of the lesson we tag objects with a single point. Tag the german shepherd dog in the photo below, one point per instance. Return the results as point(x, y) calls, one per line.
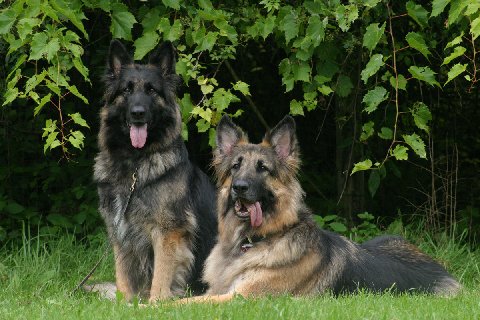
point(163, 230)
point(268, 242)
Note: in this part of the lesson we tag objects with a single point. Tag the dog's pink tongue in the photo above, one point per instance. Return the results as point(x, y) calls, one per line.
point(256, 214)
point(138, 136)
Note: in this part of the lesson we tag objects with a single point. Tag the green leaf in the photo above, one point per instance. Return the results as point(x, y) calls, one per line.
point(202, 125)
point(289, 26)
point(43, 101)
point(416, 41)
point(344, 86)
point(52, 48)
point(51, 142)
point(345, 15)
point(122, 22)
point(25, 27)
point(205, 114)
point(301, 71)
point(208, 42)
point(77, 118)
point(242, 87)
point(424, 74)
point(373, 98)
point(143, 45)
point(186, 106)
point(421, 115)
point(315, 30)
point(78, 64)
point(385, 133)
point(212, 137)
point(361, 166)
point(372, 35)
point(14, 208)
point(417, 13)
point(400, 152)
point(75, 16)
point(296, 108)
point(438, 6)
point(455, 41)
point(175, 32)
point(416, 143)
point(74, 90)
point(456, 9)
point(175, 4)
point(222, 98)
point(59, 220)
point(337, 227)
point(325, 90)
point(402, 82)
point(184, 131)
point(457, 52)
point(373, 182)
point(367, 130)
point(372, 67)
point(268, 26)
point(37, 47)
point(76, 139)
point(475, 28)
point(455, 71)
point(34, 81)
point(10, 95)
point(7, 19)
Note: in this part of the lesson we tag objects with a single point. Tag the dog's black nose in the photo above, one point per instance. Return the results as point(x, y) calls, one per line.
point(138, 112)
point(240, 186)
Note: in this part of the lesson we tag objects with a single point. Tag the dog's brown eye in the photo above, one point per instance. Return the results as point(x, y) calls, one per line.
point(261, 166)
point(128, 89)
point(149, 89)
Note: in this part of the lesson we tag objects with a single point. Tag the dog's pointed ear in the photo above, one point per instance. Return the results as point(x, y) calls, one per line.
point(228, 135)
point(164, 57)
point(283, 138)
point(117, 57)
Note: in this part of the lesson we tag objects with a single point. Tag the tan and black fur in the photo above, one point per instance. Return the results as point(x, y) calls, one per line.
point(161, 232)
point(268, 242)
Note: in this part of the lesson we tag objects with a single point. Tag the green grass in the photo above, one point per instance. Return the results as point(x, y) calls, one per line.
point(37, 277)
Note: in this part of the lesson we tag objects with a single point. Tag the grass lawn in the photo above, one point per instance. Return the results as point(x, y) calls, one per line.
point(36, 280)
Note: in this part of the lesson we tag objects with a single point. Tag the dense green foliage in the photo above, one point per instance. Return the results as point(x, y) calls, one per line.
point(375, 85)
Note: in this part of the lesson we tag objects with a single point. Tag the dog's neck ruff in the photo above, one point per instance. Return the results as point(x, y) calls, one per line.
point(250, 242)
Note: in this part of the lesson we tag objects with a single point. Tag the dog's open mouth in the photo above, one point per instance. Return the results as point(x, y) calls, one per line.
point(138, 135)
point(244, 210)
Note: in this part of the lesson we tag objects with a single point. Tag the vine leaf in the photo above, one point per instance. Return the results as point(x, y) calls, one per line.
point(455, 71)
point(122, 22)
point(372, 67)
point(362, 165)
point(416, 41)
point(416, 143)
point(400, 152)
point(457, 52)
point(373, 182)
point(145, 44)
point(402, 82)
point(421, 115)
point(372, 35)
point(373, 98)
point(417, 13)
point(438, 6)
point(386, 133)
point(424, 74)
point(475, 28)
point(367, 130)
